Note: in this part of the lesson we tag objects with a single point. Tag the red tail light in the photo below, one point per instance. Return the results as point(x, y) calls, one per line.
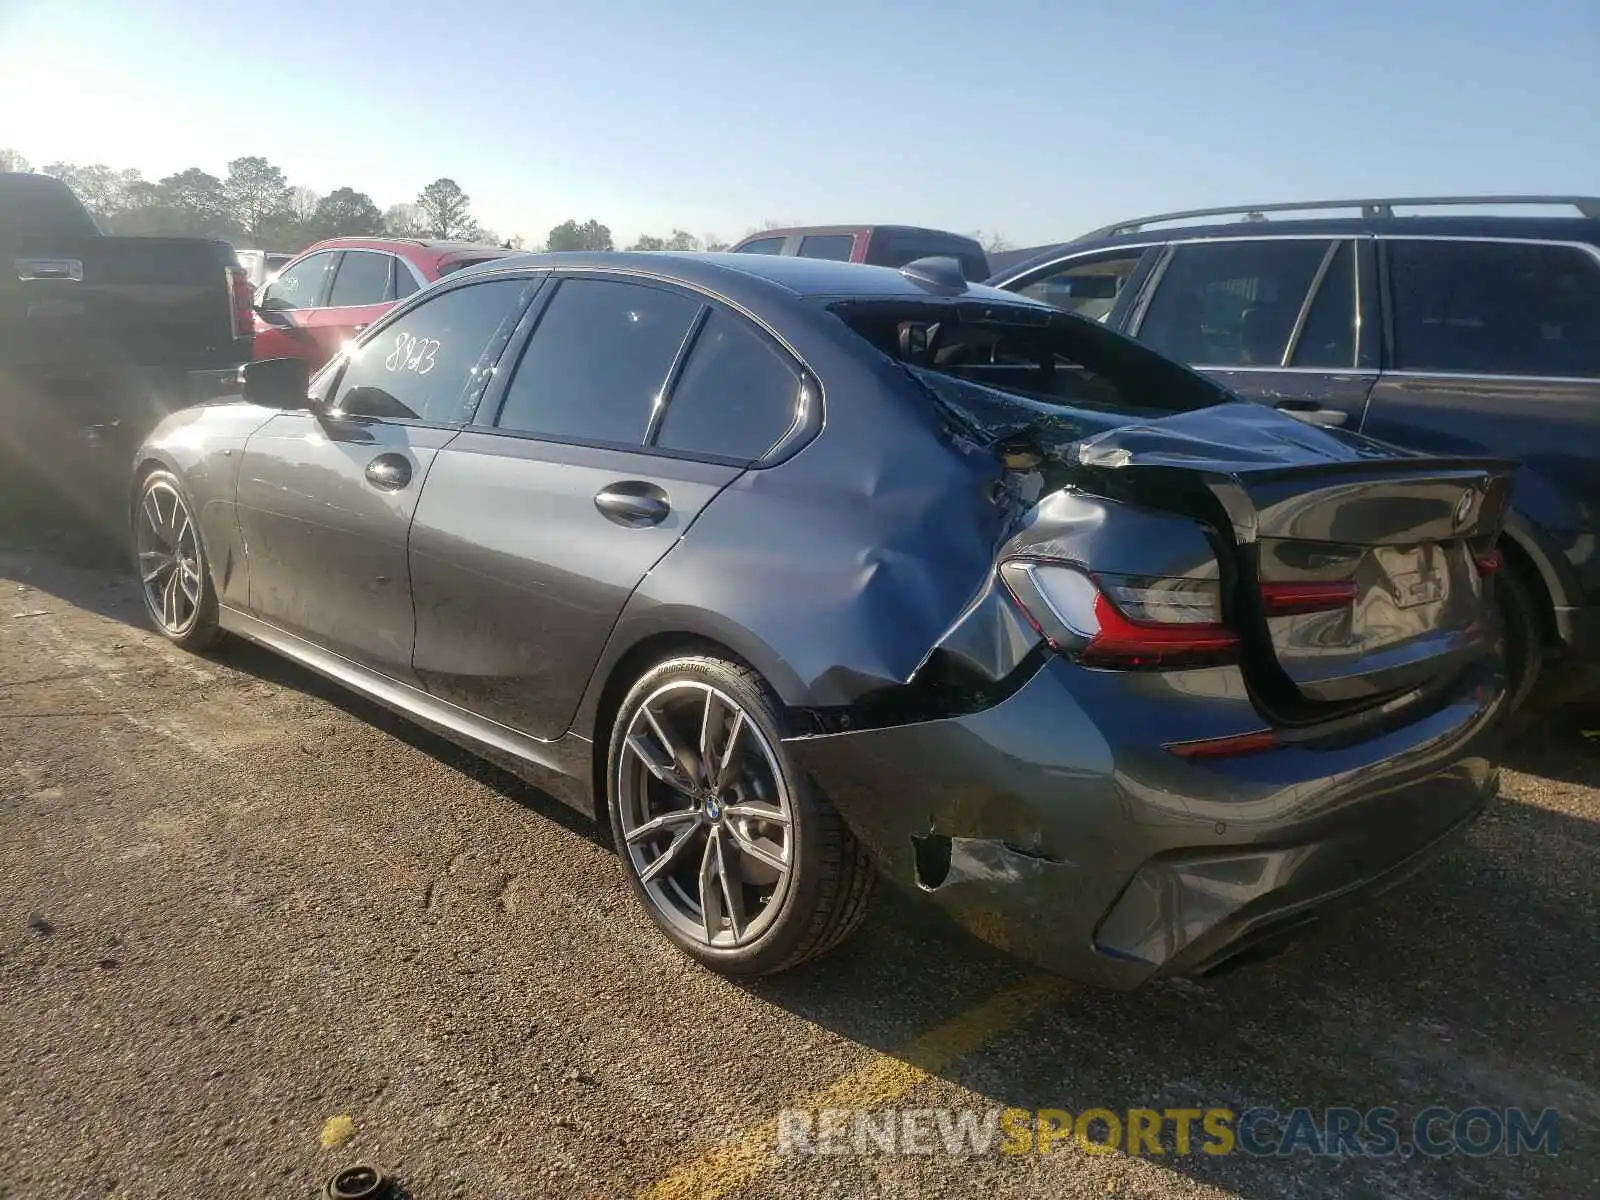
point(243, 300)
point(1179, 625)
point(1226, 747)
point(1297, 599)
point(1489, 562)
point(1126, 644)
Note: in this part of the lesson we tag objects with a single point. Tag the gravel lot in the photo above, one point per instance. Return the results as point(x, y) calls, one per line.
point(236, 902)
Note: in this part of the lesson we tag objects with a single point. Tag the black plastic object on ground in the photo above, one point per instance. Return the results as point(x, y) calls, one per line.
point(359, 1182)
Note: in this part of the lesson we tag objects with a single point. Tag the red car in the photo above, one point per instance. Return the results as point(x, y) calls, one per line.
point(335, 289)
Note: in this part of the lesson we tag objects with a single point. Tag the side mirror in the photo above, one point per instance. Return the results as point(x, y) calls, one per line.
point(277, 383)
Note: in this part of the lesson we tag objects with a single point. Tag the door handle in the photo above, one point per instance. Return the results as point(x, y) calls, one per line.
point(633, 503)
point(389, 472)
point(1325, 418)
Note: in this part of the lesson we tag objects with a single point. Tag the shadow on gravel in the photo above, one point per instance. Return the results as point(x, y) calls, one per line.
point(1476, 984)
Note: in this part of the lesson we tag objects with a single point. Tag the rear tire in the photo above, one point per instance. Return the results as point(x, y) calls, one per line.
point(742, 864)
point(1524, 640)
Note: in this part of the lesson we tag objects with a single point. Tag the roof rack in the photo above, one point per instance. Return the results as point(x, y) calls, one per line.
point(1587, 206)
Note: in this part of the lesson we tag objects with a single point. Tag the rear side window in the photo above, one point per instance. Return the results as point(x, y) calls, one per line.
point(300, 286)
point(1231, 304)
point(428, 364)
point(1495, 308)
point(597, 362)
point(772, 245)
point(835, 246)
point(363, 279)
point(736, 396)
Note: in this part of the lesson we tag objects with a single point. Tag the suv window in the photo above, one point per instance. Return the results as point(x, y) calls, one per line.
point(1227, 304)
point(363, 279)
point(597, 362)
point(301, 285)
point(1495, 308)
point(737, 394)
point(1089, 289)
point(427, 365)
point(772, 245)
point(837, 246)
point(1329, 336)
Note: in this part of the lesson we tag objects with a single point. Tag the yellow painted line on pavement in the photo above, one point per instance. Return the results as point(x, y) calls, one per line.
point(881, 1081)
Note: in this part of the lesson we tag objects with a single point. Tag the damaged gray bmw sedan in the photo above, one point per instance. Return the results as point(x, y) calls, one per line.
point(801, 573)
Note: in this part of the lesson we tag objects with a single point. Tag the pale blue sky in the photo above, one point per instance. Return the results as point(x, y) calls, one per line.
point(1033, 118)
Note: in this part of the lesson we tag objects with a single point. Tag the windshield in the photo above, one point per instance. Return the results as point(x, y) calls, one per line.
point(1051, 359)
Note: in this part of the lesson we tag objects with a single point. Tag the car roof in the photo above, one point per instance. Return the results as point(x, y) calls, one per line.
point(1528, 228)
point(398, 244)
point(727, 272)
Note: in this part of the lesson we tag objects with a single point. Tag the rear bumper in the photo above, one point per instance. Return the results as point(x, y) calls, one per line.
point(1055, 827)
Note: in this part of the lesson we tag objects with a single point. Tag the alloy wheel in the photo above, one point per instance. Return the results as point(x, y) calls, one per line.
point(169, 559)
point(707, 821)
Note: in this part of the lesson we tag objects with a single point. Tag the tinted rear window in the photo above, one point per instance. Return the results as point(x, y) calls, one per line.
point(835, 246)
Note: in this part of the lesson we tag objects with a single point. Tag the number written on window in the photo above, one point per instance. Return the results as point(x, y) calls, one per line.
point(412, 353)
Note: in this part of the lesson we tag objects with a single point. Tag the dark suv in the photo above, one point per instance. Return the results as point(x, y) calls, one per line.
point(1448, 333)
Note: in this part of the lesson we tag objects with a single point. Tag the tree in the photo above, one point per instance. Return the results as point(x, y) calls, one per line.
point(104, 192)
point(992, 243)
point(258, 195)
point(303, 204)
point(714, 243)
point(403, 220)
point(345, 212)
point(10, 160)
point(569, 235)
point(647, 242)
point(443, 207)
point(188, 204)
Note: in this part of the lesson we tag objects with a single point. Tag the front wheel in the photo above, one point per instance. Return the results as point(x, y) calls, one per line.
point(734, 854)
point(174, 577)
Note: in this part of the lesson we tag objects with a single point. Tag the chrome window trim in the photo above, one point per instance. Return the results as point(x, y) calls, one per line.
point(1337, 372)
point(1591, 380)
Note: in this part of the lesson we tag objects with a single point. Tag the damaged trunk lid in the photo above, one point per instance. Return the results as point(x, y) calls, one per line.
point(1362, 570)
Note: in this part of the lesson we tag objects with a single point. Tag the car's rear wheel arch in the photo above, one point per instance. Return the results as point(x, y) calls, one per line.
point(632, 666)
